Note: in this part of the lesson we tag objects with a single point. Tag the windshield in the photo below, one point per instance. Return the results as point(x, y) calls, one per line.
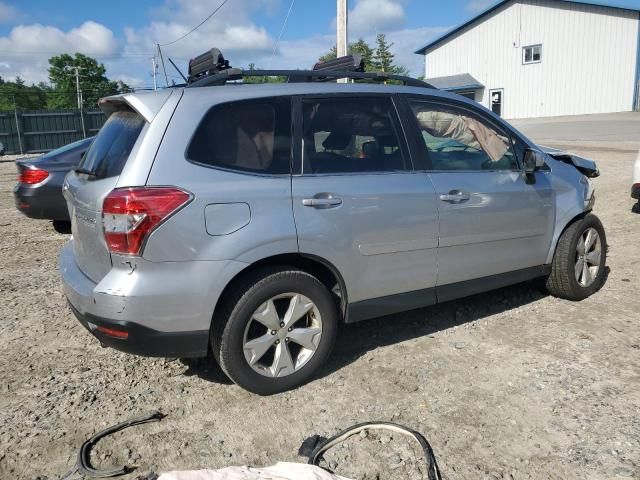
point(112, 146)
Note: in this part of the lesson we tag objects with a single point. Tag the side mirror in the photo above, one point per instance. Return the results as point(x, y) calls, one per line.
point(534, 160)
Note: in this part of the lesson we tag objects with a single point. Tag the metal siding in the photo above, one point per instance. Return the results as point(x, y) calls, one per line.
point(44, 130)
point(588, 58)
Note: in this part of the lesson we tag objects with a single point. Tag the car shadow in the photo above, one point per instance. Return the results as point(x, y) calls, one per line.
point(355, 340)
point(61, 226)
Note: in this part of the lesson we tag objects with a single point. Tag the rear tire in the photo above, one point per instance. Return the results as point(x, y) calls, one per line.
point(578, 268)
point(275, 329)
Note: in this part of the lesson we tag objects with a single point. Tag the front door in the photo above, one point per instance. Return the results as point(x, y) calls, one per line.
point(493, 218)
point(359, 204)
point(496, 101)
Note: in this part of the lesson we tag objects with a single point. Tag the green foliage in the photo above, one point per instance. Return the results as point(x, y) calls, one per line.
point(257, 79)
point(18, 95)
point(379, 59)
point(94, 83)
point(61, 94)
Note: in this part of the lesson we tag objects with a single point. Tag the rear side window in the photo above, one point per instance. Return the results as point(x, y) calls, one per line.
point(112, 146)
point(349, 135)
point(250, 136)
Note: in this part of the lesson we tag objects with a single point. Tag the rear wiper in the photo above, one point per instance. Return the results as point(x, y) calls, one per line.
point(85, 171)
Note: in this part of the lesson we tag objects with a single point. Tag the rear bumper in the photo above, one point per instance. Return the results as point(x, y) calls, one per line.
point(164, 308)
point(41, 201)
point(143, 340)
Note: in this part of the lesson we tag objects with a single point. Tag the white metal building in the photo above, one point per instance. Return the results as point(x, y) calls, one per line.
point(539, 58)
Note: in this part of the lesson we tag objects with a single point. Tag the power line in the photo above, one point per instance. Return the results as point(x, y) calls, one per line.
point(197, 26)
point(38, 53)
point(284, 24)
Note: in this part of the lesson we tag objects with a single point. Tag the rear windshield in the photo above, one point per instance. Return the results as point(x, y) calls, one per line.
point(112, 146)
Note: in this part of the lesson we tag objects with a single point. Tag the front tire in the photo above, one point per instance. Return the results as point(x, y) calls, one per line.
point(578, 268)
point(275, 330)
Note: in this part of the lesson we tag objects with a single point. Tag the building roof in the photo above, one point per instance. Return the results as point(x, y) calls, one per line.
point(499, 4)
point(455, 83)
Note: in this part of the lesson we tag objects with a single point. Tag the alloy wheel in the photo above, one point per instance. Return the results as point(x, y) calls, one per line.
point(282, 335)
point(588, 257)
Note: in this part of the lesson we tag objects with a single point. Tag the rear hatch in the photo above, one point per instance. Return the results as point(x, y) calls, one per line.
point(87, 186)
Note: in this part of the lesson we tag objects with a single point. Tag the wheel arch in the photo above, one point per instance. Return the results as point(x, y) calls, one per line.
point(317, 266)
point(559, 231)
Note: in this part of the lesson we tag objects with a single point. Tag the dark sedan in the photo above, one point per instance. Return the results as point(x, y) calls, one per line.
point(38, 193)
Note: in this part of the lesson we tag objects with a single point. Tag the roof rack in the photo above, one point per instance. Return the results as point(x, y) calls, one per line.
point(298, 76)
point(211, 69)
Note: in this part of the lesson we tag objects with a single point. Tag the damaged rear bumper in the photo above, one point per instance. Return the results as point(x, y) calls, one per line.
point(141, 340)
point(148, 308)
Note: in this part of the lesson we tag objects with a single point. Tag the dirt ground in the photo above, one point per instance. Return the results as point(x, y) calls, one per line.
point(511, 384)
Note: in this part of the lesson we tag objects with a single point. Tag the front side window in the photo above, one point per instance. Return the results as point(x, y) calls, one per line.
point(348, 135)
point(457, 139)
point(250, 136)
point(532, 54)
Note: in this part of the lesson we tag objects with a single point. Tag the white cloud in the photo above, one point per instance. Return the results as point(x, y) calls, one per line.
point(8, 13)
point(376, 15)
point(231, 30)
point(27, 48)
point(477, 6)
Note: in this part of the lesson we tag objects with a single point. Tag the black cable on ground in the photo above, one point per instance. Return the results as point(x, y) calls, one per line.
point(433, 472)
point(83, 462)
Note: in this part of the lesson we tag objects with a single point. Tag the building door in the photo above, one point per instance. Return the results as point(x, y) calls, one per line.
point(495, 97)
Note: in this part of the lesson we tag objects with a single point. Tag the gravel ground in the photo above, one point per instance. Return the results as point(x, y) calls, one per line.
point(511, 384)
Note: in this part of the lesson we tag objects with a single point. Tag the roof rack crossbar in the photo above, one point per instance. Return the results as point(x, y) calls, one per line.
point(296, 76)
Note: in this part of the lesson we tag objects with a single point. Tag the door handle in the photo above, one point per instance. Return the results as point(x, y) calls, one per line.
point(321, 202)
point(455, 196)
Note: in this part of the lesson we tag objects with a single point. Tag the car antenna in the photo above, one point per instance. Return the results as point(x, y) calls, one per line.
point(178, 70)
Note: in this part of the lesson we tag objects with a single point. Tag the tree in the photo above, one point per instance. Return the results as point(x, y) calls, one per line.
point(18, 95)
point(359, 47)
point(375, 60)
point(383, 57)
point(261, 79)
point(94, 83)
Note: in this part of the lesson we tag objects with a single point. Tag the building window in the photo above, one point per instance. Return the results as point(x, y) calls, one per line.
point(531, 54)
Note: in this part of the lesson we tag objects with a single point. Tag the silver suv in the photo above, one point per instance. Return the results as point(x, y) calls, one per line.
point(248, 221)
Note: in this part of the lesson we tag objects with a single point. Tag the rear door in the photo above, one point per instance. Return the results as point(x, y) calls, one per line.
point(85, 192)
point(359, 204)
point(493, 217)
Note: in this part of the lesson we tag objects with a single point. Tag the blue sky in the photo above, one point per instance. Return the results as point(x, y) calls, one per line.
point(122, 34)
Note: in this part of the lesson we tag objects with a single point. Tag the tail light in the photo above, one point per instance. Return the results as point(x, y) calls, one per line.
point(31, 176)
point(129, 215)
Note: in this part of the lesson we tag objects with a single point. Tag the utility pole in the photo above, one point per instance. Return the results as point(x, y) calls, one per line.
point(342, 40)
point(155, 72)
point(77, 74)
point(79, 95)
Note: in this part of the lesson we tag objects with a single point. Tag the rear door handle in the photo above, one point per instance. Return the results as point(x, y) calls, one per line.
point(455, 196)
point(321, 202)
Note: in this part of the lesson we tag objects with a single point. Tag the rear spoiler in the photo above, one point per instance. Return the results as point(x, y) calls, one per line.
point(147, 104)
